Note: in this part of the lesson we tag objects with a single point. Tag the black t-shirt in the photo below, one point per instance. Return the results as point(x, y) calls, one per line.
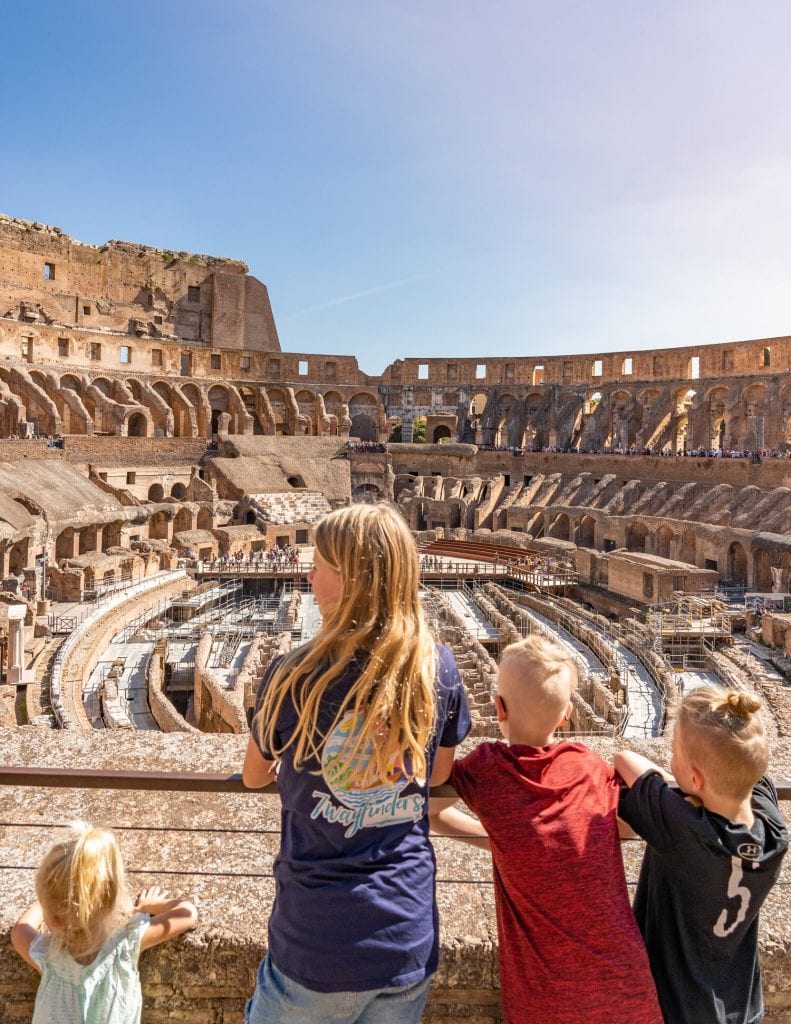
point(702, 883)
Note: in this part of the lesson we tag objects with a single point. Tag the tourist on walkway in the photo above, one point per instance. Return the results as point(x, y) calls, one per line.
point(361, 719)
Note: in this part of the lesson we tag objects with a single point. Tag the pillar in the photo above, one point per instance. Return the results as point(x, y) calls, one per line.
point(17, 674)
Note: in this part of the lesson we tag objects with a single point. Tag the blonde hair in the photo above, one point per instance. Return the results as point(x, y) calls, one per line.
point(378, 621)
point(546, 654)
point(720, 730)
point(81, 887)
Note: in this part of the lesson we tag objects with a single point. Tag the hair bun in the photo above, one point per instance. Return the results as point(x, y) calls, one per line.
point(742, 704)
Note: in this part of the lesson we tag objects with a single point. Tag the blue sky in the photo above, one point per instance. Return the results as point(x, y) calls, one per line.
point(426, 177)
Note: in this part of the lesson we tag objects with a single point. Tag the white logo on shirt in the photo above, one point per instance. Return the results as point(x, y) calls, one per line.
point(735, 889)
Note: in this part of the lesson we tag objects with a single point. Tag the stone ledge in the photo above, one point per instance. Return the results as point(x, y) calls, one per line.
point(179, 840)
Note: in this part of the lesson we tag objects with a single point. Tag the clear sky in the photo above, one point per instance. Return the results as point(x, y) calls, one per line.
point(426, 177)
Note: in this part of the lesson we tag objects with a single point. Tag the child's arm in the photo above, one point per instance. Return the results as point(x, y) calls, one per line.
point(447, 820)
point(257, 771)
point(28, 928)
point(169, 918)
point(630, 766)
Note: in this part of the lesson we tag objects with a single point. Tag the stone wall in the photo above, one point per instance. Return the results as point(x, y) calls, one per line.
point(204, 977)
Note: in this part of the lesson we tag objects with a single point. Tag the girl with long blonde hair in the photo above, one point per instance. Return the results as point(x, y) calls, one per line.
point(356, 723)
point(84, 935)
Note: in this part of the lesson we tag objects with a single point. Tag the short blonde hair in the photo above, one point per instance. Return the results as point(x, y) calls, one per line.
point(722, 733)
point(81, 887)
point(546, 654)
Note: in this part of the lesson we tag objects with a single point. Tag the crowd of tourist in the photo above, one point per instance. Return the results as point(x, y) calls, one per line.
point(276, 559)
point(372, 447)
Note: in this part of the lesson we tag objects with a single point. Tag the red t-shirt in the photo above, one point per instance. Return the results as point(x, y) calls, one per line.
point(570, 948)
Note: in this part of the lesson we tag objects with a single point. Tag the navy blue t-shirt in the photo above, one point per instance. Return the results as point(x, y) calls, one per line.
point(354, 905)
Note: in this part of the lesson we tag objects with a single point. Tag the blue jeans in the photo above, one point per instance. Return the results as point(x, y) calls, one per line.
point(277, 1000)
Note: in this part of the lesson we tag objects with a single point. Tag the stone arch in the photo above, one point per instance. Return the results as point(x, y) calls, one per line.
point(219, 401)
point(111, 535)
point(737, 563)
point(785, 573)
point(137, 425)
point(505, 406)
point(178, 491)
point(363, 427)
point(158, 527)
point(762, 571)
point(250, 402)
point(70, 381)
point(250, 517)
point(586, 532)
point(277, 400)
point(205, 518)
point(306, 403)
point(184, 519)
point(104, 385)
point(561, 527)
point(64, 544)
point(156, 492)
point(441, 432)
point(367, 492)
point(687, 550)
point(18, 556)
point(636, 534)
point(663, 542)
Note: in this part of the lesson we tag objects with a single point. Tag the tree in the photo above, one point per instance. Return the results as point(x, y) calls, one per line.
point(419, 430)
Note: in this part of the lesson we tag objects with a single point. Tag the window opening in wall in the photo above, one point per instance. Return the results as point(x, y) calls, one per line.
point(193, 293)
point(527, 479)
point(86, 310)
point(694, 368)
point(301, 537)
point(126, 354)
point(767, 357)
point(507, 479)
point(96, 351)
point(302, 368)
point(156, 356)
point(678, 583)
point(538, 375)
point(27, 349)
point(452, 370)
point(49, 271)
point(597, 368)
point(216, 361)
point(711, 563)
point(244, 363)
point(186, 364)
point(648, 585)
point(131, 477)
point(626, 369)
point(609, 545)
point(63, 347)
point(274, 367)
point(330, 370)
point(157, 319)
point(480, 371)
point(436, 472)
point(422, 371)
point(727, 360)
point(510, 372)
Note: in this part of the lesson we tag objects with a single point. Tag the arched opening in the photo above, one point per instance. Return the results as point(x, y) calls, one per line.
point(183, 520)
point(586, 532)
point(158, 526)
point(296, 481)
point(363, 427)
point(137, 426)
point(687, 550)
point(18, 556)
point(88, 538)
point(737, 563)
point(111, 536)
point(762, 571)
point(205, 519)
point(441, 432)
point(178, 491)
point(561, 528)
point(250, 517)
point(366, 492)
point(64, 545)
point(664, 538)
point(635, 537)
point(156, 492)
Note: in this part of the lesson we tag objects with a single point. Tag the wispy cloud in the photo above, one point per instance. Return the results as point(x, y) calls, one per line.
point(353, 296)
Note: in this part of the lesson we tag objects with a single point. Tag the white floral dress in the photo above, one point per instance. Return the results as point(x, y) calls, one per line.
point(105, 991)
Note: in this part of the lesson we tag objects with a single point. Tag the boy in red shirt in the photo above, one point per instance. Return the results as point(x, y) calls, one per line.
point(570, 949)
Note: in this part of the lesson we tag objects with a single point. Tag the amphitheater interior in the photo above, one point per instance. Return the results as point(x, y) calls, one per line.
point(162, 465)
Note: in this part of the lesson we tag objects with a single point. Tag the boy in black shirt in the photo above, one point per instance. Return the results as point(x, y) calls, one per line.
point(715, 847)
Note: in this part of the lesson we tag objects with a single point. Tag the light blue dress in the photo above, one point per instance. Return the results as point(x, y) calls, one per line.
point(105, 991)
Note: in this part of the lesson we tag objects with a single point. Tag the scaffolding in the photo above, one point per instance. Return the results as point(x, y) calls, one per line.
point(688, 629)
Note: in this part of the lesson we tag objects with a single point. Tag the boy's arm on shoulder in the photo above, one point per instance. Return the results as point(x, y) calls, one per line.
point(26, 930)
point(631, 765)
point(176, 916)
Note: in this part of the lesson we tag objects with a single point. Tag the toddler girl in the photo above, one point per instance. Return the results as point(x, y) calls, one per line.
point(84, 935)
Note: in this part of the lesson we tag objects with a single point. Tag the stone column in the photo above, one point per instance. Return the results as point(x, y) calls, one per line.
point(17, 674)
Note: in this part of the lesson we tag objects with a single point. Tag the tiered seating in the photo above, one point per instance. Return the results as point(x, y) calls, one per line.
point(282, 508)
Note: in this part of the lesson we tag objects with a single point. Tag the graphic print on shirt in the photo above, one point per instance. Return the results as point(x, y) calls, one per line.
point(364, 801)
point(734, 889)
